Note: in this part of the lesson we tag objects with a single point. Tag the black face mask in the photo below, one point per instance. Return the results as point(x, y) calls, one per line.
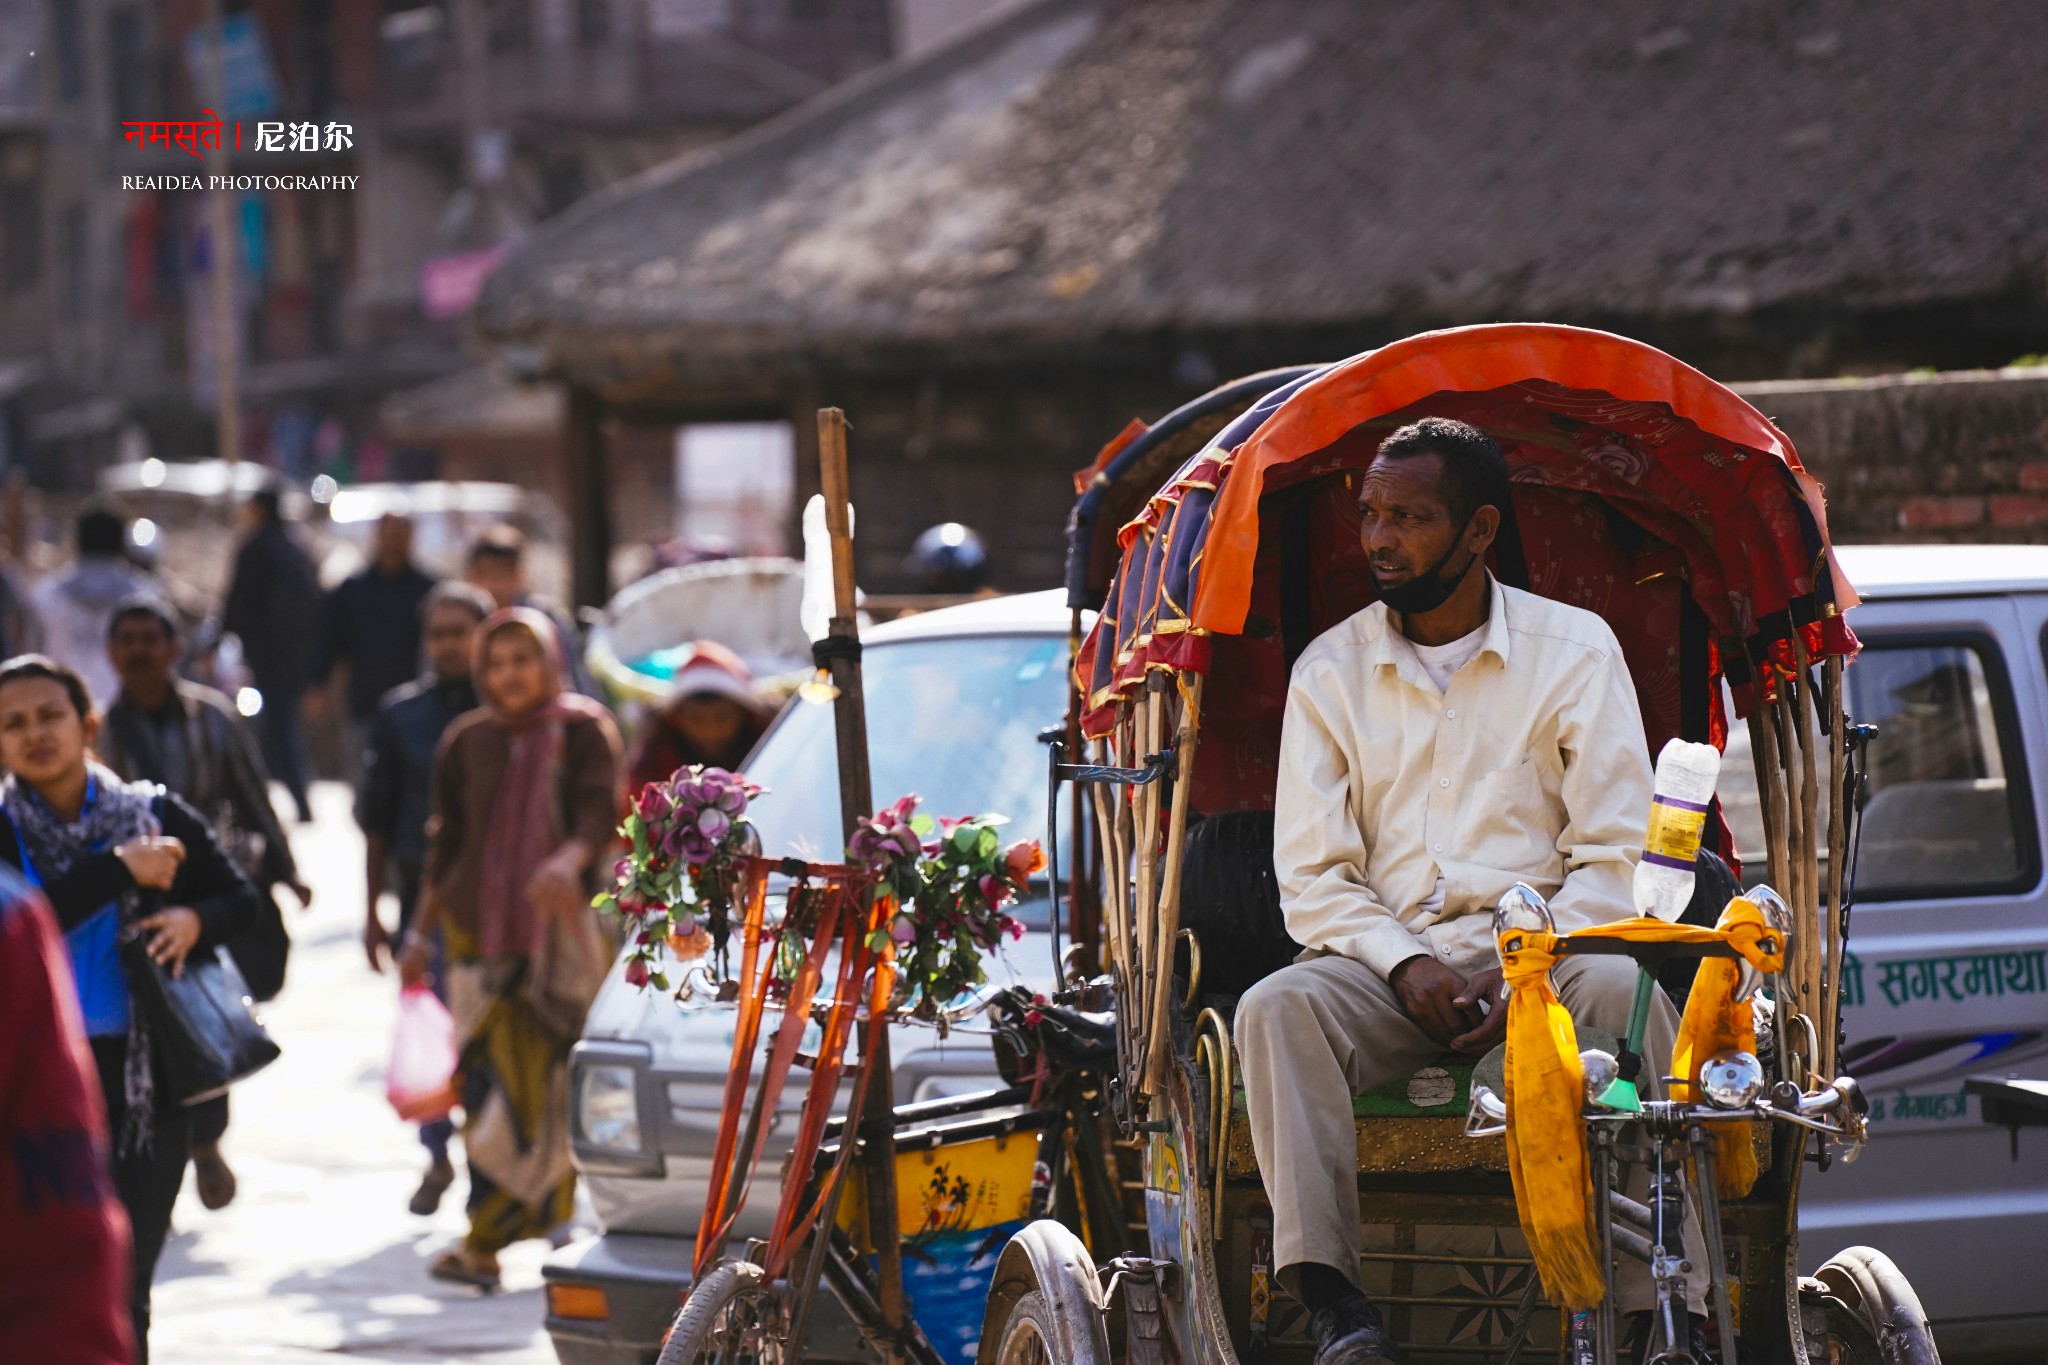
point(1429, 589)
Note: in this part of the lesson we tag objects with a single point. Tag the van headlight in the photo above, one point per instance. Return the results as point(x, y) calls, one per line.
point(608, 1108)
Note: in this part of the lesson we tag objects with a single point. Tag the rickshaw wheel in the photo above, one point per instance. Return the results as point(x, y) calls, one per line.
point(1027, 1335)
point(734, 1316)
point(1870, 1314)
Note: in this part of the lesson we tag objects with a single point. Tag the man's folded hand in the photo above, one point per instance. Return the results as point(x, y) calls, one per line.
point(1435, 997)
point(1491, 988)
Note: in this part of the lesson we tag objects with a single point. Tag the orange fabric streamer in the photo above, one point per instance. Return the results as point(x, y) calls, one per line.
point(1552, 1173)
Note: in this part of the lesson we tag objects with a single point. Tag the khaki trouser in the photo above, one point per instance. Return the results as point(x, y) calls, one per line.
point(1316, 1032)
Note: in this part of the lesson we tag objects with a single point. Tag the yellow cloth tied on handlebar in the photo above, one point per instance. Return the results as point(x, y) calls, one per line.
point(1547, 1154)
point(1715, 1021)
point(1546, 1136)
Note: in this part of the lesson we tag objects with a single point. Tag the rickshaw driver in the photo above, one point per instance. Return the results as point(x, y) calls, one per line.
point(1452, 739)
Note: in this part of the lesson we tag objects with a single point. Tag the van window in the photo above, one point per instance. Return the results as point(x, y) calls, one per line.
point(1941, 815)
point(954, 720)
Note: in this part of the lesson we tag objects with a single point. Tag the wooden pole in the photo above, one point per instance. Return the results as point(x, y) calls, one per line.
point(1809, 844)
point(1168, 930)
point(856, 800)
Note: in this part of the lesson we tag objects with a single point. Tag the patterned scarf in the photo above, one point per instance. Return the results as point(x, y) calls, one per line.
point(115, 812)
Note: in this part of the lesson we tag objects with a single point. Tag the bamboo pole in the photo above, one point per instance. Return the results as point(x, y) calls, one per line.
point(1806, 946)
point(1151, 726)
point(1795, 873)
point(1763, 733)
point(1837, 940)
point(1169, 892)
point(1105, 837)
point(856, 800)
point(1809, 819)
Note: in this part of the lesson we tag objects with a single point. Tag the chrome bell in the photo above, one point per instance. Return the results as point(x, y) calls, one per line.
point(1731, 1080)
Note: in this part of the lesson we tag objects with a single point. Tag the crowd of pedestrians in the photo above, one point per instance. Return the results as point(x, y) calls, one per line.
point(135, 802)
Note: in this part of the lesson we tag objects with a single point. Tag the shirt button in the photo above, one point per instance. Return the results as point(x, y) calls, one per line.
point(1438, 848)
point(1443, 781)
point(1450, 713)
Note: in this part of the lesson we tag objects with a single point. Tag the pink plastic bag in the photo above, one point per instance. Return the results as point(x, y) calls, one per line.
point(422, 1057)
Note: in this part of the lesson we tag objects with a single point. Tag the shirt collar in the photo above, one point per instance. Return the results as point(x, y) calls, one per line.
point(1391, 649)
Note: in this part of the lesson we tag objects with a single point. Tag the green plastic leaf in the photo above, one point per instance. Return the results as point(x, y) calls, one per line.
point(922, 824)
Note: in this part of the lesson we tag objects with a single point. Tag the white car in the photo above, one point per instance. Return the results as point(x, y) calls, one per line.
point(956, 702)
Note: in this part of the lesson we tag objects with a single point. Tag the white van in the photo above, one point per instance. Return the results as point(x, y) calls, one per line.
point(1948, 940)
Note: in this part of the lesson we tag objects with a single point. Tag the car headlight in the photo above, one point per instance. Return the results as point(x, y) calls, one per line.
point(608, 1108)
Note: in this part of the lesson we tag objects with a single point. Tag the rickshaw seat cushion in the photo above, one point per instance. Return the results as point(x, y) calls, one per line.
point(1231, 899)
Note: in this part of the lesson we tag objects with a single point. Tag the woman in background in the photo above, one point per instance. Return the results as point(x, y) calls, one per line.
point(525, 792)
point(713, 716)
point(101, 849)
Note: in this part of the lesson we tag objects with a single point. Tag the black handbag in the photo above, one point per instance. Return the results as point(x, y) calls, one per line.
point(262, 950)
point(205, 1032)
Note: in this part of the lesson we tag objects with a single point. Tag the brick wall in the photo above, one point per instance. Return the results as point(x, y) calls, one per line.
point(1958, 457)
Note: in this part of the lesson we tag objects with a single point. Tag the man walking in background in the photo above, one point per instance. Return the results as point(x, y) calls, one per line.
point(497, 564)
point(371, 628)
point(397, 796)
point(72, 608)
point(274, 607)
point(164, 729)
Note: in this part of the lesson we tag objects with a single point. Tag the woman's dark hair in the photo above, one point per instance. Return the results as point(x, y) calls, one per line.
point(1474, 474)
point(24, 667)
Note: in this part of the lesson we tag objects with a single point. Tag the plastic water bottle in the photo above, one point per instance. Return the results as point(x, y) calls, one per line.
point(1686, 774)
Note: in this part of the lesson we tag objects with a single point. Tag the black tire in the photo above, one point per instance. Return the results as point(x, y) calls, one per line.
point(1869, 1314)
point(1027, 1334)
point(734, 1316)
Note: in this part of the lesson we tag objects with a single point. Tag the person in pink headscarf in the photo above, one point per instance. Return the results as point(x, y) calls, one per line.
point(524, 806)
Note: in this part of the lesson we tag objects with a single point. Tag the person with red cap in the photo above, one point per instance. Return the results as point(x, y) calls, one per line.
point(713, 716)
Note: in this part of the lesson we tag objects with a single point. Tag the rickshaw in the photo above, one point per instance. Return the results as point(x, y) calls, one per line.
point(1112, 1212)
point(1642, 491)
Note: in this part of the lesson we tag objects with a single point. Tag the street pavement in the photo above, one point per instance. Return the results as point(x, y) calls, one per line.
point(317, 1256)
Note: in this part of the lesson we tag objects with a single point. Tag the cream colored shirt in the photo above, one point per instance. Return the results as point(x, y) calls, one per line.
point(1531, 766)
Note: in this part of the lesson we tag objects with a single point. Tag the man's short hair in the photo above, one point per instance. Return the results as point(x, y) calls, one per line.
point(269, 500)
point(1475, 473)
point(499, 542)
point(453, 592)
point(146, 607)
point(102, 531)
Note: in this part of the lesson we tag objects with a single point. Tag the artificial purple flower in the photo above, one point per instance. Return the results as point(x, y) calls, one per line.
point(653, 803)
point(902, 929)
point(696, 849)
point(713, 823)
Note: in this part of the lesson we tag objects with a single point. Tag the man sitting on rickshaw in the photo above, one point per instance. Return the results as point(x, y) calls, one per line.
point(1452, 739)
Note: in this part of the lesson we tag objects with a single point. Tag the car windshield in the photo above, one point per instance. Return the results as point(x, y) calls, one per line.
point(954, 720)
